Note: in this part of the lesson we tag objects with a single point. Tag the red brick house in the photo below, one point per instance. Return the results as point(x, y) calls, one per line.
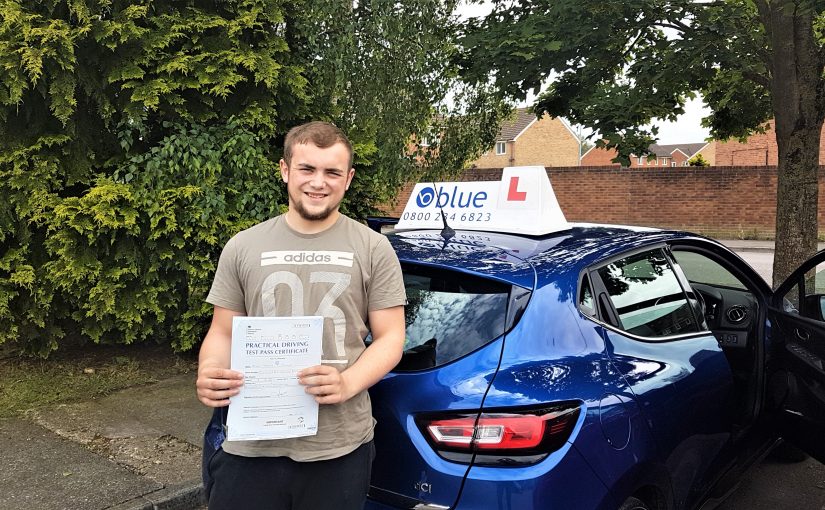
point(758, 150)
point(661, 155)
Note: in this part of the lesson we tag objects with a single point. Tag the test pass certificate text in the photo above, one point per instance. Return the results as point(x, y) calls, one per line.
point(270, 351)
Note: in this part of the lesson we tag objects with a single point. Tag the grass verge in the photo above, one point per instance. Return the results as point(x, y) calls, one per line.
point(84, 373)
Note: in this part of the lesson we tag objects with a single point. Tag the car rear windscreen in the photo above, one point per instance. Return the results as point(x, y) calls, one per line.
point(449, 314)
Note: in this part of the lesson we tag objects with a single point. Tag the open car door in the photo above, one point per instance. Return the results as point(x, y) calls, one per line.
point(796, 363)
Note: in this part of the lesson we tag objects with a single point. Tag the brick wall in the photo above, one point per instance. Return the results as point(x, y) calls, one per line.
point(724, 202)
point(757, 151)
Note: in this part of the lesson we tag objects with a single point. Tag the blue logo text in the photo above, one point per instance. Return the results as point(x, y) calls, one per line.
point(452, 198)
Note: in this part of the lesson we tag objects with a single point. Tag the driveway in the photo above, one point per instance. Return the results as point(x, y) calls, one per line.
point(773, 484)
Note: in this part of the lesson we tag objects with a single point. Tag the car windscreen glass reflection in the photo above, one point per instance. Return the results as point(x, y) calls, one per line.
point(448, 315)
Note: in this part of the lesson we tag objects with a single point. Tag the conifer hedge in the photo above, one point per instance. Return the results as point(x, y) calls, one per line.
point(137, 137)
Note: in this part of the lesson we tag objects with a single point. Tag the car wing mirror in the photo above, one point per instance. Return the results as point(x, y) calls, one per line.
point(814, 307)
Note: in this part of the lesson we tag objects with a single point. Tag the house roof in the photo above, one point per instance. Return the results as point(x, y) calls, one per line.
point(512, 127)
point(665, 151)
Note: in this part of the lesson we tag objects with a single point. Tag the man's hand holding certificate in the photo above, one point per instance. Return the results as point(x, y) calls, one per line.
point(270, 351)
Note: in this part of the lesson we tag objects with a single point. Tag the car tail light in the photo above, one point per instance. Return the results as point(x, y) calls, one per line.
point(500, 437)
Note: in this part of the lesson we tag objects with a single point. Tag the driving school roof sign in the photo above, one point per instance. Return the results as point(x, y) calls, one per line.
point(523, 202)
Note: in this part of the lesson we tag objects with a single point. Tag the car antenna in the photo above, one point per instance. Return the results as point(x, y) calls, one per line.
point(446, 233)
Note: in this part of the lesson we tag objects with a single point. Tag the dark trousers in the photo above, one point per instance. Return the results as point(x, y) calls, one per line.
point(280, 483)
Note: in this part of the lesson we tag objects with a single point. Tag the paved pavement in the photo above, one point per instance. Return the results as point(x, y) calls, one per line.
point(138, 449)
point(759, 254)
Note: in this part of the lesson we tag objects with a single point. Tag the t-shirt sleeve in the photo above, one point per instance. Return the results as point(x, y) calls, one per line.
point(226, 290)
point(386, 288)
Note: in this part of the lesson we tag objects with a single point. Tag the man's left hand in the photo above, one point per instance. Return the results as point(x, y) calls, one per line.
point(326, 383)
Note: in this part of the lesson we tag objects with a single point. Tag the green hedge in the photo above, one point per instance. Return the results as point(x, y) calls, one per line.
point(132, 257)
point(135, 138)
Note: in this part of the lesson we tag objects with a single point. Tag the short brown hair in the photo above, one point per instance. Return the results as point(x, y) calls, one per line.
point(319, 133)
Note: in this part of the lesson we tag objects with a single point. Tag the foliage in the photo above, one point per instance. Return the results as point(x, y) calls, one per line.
point(137, 137)
point(399, 81)
point(460, 136)
point(698, 160)
point(614, 66)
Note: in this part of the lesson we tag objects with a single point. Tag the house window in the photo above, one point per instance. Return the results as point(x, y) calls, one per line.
point(641, 160)
point(501, 148)
point(664, 161)
point(672, 163)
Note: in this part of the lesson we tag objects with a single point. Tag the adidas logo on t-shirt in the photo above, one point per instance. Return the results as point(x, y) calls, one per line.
point(336, 258)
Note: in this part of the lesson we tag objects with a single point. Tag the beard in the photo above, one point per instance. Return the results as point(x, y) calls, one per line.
point(311, 216)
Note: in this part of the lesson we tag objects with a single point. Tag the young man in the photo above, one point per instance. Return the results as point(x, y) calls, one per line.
point(354, 280)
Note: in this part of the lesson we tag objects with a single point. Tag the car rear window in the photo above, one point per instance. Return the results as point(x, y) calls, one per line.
point(450, 314)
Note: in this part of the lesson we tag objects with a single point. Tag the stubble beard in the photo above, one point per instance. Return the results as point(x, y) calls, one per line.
point(309, 216)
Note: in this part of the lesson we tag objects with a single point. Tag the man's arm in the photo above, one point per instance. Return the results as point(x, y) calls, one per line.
point(332, 387)
point(216, 383)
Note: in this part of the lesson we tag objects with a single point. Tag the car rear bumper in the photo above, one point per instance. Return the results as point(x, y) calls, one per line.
point(562, 481)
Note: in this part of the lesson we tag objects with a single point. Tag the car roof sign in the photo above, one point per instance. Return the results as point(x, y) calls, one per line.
point(522, 202)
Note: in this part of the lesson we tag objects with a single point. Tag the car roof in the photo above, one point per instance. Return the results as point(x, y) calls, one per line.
point(515, 258)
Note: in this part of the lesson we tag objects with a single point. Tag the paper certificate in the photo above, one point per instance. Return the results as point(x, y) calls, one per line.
point(270, 351)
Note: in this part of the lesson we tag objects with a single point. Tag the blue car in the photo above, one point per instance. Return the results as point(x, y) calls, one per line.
point(591, 367)
point(551, 365)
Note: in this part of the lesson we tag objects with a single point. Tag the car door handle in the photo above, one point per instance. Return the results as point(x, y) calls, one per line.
point(802, 334)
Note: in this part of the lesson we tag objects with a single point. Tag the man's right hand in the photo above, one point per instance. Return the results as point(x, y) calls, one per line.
point(216, 385)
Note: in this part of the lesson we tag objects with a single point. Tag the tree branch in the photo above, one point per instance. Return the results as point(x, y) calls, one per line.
point(764, 14)
point(717, 3)
point(675, 25)
point(759, 79)
point(634, 41)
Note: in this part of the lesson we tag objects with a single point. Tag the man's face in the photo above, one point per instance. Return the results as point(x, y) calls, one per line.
point(316, 179)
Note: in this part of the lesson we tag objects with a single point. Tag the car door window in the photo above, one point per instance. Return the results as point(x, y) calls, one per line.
point(730, 307)
point(700, 269)
point(807, 296)
point(647, 296)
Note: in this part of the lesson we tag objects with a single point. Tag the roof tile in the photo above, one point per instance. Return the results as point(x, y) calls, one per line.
point(513, 126)
point(665, 151)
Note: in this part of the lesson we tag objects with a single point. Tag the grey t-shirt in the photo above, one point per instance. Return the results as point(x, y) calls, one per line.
point(341, 274)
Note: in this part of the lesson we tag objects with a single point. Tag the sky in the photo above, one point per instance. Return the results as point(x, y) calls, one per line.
point(687, 129)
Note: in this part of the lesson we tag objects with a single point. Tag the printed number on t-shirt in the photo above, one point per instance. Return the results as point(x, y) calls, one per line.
point(326, 307)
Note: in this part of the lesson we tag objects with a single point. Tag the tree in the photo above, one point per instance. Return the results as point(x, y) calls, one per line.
point(698, 160)
point(136, 137)
point(616, 65)
point(386, 73)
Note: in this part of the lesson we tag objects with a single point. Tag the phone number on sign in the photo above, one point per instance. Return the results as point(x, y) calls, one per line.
point(465, 217)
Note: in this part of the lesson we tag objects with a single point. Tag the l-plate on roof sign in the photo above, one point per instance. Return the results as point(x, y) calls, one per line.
point(523, 202)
